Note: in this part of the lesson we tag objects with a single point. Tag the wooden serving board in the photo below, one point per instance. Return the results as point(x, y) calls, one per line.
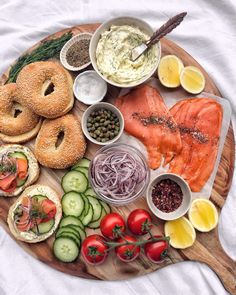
point(206, 249)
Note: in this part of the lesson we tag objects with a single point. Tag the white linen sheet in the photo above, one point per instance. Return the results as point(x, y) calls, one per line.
point(209, 34)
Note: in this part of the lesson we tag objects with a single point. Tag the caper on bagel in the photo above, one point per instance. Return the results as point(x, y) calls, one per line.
point(60, 142)
point(17, 122)
point(46, 88)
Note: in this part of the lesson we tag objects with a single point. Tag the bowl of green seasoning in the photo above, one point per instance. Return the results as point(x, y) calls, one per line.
point(102, 123)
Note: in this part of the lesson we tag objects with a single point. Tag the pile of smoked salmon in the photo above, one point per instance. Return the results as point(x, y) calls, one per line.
point(186, 137)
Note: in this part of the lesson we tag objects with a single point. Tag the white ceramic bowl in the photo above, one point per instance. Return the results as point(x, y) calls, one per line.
point(85, 99)
point(68, 44)
point(145, 27)
point(187, 197)
point(97, 106)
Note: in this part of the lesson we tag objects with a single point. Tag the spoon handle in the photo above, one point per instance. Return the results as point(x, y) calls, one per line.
point(166, 28)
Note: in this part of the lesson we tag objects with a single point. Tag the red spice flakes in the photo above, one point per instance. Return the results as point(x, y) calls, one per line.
point(167, 195)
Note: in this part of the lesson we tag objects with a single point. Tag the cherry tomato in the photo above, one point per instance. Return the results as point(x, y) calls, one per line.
point(139, 222)
point(111, 225)
point(48, 208)
point(94, 249)
point(127, 253)
point(156, 251)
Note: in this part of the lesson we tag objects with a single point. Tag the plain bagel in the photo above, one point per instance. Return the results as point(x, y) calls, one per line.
point(60, 155)
point(46, 88)
point(17, 122)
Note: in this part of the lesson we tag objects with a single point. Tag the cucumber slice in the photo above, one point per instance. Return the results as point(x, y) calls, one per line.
point(81, 232)
point(67, 229)
point(71, 220)
point(86, 207)
point(96, 224)
point(88, 218)
point(18, 155)
point(43, 227)
point(65, 249)
point(72, 204)
point(39, 198)
point(83, 170)
point(20, 182)
point(84, 162)
point(74, 181)
point(97, 207)
point(90, 192)
point(106, 206)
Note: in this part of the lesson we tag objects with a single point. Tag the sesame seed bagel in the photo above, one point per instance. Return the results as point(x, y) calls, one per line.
point(34, 81)
point(50, 152)
point(17, 122)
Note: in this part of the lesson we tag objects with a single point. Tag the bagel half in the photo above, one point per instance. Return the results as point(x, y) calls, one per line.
point(33, 167)
point(34, 81)
point(31, 237)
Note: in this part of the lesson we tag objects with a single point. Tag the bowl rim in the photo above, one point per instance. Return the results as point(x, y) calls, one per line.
point(164, 215)
point(93, 60)
point(67, 45)
point(85, 73)
point(140, 192)
point(97, 105)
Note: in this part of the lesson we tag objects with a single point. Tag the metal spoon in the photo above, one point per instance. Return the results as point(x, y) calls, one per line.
point(160, 33)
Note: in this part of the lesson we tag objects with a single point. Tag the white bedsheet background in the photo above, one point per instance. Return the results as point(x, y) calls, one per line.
point(209, 34)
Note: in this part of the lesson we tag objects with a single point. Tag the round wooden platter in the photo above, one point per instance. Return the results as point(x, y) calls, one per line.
point(206, 249)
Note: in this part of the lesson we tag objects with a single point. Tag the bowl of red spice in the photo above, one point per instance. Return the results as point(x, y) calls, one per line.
point(169, 196)
point(74, 55)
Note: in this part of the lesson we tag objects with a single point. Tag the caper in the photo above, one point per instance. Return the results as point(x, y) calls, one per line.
point(89, 120)
point(103, 139)
point(117, 123)
point(98, 139)
point(92, 128)
point(111, 134)
point(97, 132)
point(96, 124)
point(104, 129)
point(106, 122)
point(109, 127)
point(116, 132)
point(89, 125)
point(102, 120)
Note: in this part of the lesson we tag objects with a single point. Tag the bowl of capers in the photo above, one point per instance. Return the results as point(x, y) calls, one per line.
point(102, 123)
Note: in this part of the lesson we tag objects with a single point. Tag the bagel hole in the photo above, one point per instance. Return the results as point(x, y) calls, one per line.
point(49, 89)
point(17, 112)
point(60, 138)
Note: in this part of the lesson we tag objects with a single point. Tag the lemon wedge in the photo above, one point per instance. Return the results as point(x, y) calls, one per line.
point(203, 215)
point(169, 70)
point(181, 232)
point(192, 80)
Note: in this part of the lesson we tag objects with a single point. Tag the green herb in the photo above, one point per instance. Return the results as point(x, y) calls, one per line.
point(11, 169)
point(48, 49)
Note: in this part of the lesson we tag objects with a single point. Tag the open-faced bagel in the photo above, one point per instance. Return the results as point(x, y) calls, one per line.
point(31, 237)
point(17, 122)
point(60, 142)
point(46, 88)
point(33, 167)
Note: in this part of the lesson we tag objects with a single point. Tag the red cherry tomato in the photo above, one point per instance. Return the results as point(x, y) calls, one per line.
point(127, 253)
point(94, 249)
point(156, 251)
point(48, 208)
point(139, 222)
point(111, 225)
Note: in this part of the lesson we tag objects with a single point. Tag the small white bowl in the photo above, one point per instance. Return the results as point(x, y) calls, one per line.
point(65, 48)
point(86, 99)
point(102, 105)
point(187, 197)
point(145, 27)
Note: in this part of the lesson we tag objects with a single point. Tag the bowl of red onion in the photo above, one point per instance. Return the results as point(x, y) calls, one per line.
point(119, 174)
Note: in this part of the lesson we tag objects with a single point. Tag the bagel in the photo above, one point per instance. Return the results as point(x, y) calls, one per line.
point(29, 236)
point(32, 167)
point(34, 81)
point(17, 122)
point(71, 148)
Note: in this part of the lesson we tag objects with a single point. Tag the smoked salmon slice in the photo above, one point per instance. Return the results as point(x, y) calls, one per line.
point(148, 119)
point(22, 167)
point(199, 121)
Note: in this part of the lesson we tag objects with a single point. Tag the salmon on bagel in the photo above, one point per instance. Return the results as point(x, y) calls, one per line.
point(46, 88)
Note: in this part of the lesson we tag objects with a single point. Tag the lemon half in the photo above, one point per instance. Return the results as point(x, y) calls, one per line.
point(203, 215)
point(192, 80)
point(169, 70)
point(181, 232)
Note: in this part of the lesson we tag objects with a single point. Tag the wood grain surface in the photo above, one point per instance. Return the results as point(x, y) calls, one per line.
point(207, 248)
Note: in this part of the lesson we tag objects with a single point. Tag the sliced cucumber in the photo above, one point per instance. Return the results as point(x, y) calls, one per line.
point(83, 170)
point(72, 204)
point(39, 198)
point(88, 218)
point(86, 206)
point(97, 207)
point(65, 249)
point(84, 162)
point(106, 206)
point(20, 182)
point(18, 155)
point(43, 227)
point(74, 181)
point(90, 192)
point(71, 220)
point(80, 230)
point(67, 229)
point(96, 224)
